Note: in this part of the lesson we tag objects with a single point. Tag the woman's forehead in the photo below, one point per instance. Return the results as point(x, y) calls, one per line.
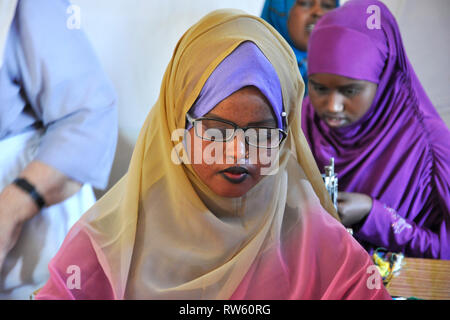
point(331, 78)
point(245, 105)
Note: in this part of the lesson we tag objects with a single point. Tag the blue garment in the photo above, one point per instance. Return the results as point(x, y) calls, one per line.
point(276, 12)
point(51, 79)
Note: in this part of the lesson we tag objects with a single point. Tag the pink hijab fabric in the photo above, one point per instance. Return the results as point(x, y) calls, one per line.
point(326, 266)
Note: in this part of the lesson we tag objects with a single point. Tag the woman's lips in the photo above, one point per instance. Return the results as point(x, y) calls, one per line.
point(335, 121)
point(235, 175)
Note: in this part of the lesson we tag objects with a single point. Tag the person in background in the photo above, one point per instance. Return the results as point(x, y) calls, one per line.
point(196, 217)
point(294, 20)
point(58, 133)
point(368, 110)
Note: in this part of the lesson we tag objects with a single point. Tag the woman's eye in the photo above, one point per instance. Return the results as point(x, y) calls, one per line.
point(328, 7)
point(350, 92)
point(304, 4)
point(320, 89)
point(215, 134)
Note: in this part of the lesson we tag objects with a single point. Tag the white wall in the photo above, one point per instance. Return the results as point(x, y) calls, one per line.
point(425, 31)
point(135, 39)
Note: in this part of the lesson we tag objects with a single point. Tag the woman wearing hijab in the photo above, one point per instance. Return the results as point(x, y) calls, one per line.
point(179, 227)
point(294, 20)
point(58, 132)
point(368, 110)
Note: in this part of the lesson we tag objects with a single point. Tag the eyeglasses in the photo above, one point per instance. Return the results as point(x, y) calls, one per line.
point(219, 130)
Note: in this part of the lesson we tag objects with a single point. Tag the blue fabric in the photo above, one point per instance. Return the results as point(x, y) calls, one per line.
point(276, 12)
point(51, 79)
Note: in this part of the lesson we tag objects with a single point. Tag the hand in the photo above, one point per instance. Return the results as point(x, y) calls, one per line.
point(353, 207)
point(16, 207)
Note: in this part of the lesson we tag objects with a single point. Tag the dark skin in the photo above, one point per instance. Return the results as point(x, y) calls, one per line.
point(257, 112)
point(303, 15)
point(353, 207)
point(340, 101)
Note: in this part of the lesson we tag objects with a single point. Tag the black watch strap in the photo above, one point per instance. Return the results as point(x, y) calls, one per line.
point(31, 190)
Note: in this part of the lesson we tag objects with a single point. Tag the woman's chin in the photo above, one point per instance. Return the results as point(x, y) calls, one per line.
point(228, 189)
point(232, 192)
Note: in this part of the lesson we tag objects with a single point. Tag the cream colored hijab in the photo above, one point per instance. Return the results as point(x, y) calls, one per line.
point(7, 11)
point(160, 233)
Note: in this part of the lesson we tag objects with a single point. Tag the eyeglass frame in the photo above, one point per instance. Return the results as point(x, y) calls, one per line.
point(236, 127)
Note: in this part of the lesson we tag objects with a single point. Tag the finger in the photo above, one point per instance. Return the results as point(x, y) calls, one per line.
point(2, 259)
point(343, 195)
point(341, 209)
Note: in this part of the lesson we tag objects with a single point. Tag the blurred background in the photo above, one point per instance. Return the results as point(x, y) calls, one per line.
point(135, 39)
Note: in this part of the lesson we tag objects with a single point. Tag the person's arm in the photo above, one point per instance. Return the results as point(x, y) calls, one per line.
point(53, 185)
point(68, 92)
point(375, 222)
point(17, 206)
point(383, 227)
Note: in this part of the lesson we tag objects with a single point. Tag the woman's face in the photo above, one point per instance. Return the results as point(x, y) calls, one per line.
point(303, 16)
point(234, 174)
point(338, 100)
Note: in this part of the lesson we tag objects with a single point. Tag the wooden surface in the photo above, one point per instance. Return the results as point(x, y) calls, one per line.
point(422, 278)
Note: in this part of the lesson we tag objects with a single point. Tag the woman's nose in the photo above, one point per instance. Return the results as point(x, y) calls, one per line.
point(316, 9)
point(335, 103)
point(236, 148)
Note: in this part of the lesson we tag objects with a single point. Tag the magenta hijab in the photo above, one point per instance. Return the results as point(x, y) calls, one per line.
point(398, 152)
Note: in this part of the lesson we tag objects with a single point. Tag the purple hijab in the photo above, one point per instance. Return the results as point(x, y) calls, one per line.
point(398, 152)
point(245, 66)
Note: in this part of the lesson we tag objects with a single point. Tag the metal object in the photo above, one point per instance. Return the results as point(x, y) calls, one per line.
point(331, 182)
point(330, 179)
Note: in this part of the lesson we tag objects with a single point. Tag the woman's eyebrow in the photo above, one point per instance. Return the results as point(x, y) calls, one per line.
point(351, 86)
point(330, 2)
point(213, 116)
point(250, 124)
point(262, 122)
point(316, 83)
